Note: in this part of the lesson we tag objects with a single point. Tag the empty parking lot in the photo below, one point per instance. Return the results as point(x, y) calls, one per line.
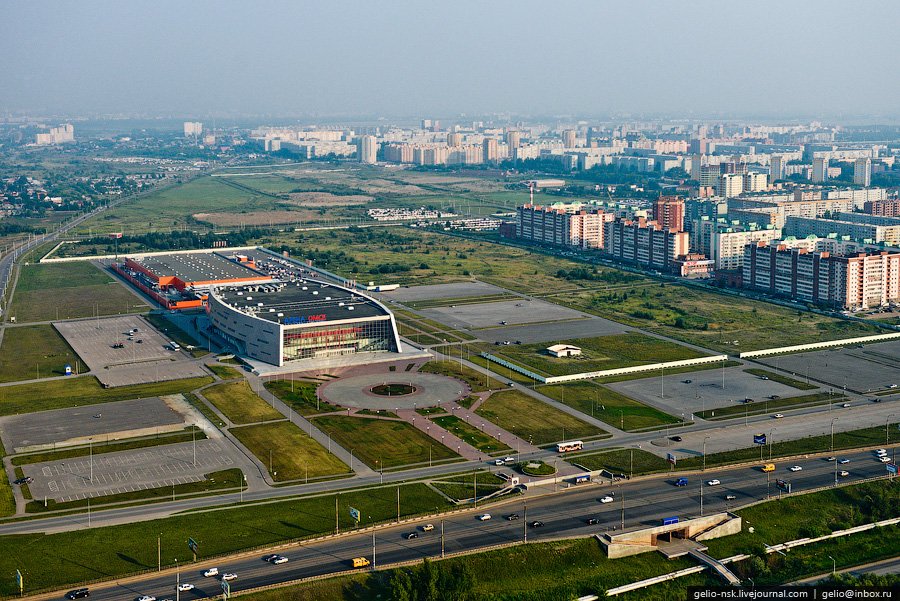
point(860, 369)
point(127, 471)
point(486, 315)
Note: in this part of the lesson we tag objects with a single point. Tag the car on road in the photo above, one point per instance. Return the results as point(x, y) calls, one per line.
point(412, 535)
point(269, 558)
point(145, 598)
point(686, 381)
point(536, 524)
point(211, 572)
point(844, 461)
point(509, 460)
point(499, 462)
point(427, 527)
point(884, 459)
point(184, 587)
point(592, 521)
point(773, 397)
point(713, 482)
point(764, 377)
point(78, 593)
point(832, 458)
point(512, 516)
point(778, 415)
point(484, 517)
point(229, 576)
point(880, 451)
point(875, 400)
point(795, 468)
point(676, 438)
point(843, 473)
point(730, 497)
point(606, 499)
point(845, 405)
point(360, 562)
point(280, 560)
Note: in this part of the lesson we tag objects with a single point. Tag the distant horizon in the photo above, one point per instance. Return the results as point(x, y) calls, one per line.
point(807, 60)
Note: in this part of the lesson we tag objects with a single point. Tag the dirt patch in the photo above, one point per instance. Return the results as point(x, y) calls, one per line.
point(257, 217)
point(327, 199)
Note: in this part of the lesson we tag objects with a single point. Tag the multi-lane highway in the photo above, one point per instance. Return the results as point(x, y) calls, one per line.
point(646, 501)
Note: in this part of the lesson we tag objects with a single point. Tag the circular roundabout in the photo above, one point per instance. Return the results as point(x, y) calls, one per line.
point(393, 390)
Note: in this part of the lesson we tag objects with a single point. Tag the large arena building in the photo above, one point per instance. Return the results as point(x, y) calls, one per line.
point(267, 307)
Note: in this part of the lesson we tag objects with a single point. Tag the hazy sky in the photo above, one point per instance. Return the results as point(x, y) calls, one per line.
point(196, 58)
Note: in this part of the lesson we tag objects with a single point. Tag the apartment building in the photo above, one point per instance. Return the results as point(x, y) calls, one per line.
point(805, 226)
point(562, 226)
point(645, 243)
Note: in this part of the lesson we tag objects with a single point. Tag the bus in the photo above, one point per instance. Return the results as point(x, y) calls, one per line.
point(565, 447)
point(174, 346)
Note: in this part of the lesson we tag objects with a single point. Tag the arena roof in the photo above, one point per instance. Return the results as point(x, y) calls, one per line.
point(299, 302)
point(198, 267)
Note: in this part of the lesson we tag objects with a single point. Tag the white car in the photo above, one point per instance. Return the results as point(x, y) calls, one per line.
point(607, 499)
point(844, 461)
point(778, 415)
point(427, 527)
point(844, 473)
point(509, 460)
point(884, 459)
point(484, 517)
point(499, 462)
point(146, 598)
point(845, 405)
point(280, 560)
point(713, 482)
point(211, 572)
point(880, 451)
point(795, 468)
point(182, 588)
point(229, 576)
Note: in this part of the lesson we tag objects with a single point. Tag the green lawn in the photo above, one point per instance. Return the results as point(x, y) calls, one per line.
point(608, 405)
point(295, 455)
point(623, 461)
point(84, 390)
point(381, 443)
point(66, 558)
point(461, 487)
point(67, 290)
point(224, 371)
point(300, 395)
point(470, 434)
point(240, 404)
point(781, 379)
point(478, 382)
point(532, 420)
point(762, 406)
point(600, 353)
point(33, 352)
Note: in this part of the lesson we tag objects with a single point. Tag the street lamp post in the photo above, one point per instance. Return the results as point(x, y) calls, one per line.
point(832, 433)
point(704, 453)
point(833, 565)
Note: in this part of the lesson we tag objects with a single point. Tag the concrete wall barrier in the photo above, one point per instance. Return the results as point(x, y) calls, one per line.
point(48, 259)
point(818, 345)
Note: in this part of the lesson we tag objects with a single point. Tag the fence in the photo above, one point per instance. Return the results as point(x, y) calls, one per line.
point(817, 345)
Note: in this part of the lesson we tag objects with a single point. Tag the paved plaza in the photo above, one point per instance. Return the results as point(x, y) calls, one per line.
point(77, 425)
point(430, 390)
point(486, 315)
point(443, 291)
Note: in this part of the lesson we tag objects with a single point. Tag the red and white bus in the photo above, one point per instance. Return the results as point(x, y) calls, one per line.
point(565, 447)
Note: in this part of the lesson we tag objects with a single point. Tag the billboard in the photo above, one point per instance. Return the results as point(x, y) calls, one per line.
point(759, 439)
point(354, 513)
point(891, 468)
point(783, 485)
point(671, 458)
point(192, 545)
point(671, 520)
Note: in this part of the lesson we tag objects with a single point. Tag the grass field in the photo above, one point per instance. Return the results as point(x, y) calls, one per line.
point(624, 461)
point(671, 371)
point(61, 559)
point(781, 379)
point(532, 420)
point(224, 371)
point(713, 320)
point(770, 406)
point(68, 290)
point(84, 390)
point(470, 434)
point(600, 353)
point(240, 404)
point(294, 455)
point(477, 382)
point(381, 443)
point(461, 487)
point(34, 352)
point(608, 405)
point(301, 396)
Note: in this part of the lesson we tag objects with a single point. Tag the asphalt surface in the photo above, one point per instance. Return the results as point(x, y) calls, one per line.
point(646, 502)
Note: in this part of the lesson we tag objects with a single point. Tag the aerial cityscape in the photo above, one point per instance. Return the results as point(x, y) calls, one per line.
point(449, 301)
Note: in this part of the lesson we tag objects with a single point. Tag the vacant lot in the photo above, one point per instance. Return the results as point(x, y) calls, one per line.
point(532, 420)
point(34, 352)
point(67, 290)
point(85, 390)
point(713, 320)
point(382, 443)
point(294, 455)
point(608, 405)
point(601, 353)
point(240, 404)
